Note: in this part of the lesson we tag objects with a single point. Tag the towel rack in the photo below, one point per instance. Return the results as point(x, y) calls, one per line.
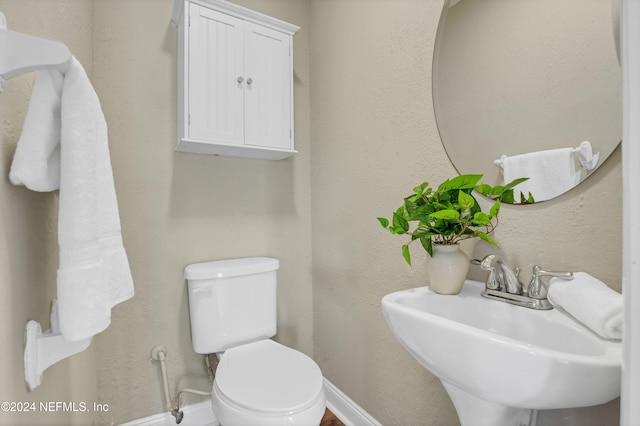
point(584, 153)
point(586, 156)
point(42, 350)
point(22, 53)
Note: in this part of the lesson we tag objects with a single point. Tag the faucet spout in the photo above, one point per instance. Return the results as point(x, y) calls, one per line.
point(512, 283)
point(501, 276)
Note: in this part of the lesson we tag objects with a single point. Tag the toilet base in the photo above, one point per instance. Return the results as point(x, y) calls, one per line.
point(229, 414)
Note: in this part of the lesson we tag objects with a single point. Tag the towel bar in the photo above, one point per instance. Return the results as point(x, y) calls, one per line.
point(586, 156)
point(584, 153)
point(42, 350)
point(22, 53)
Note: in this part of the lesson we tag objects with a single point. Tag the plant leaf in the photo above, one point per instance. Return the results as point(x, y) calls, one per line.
point(421, 231)
point(485, 189)
point(480, 219)
point(400, 223)
point(405, 254)
point(413, 198)
point(446, 214)
point(427, 245)
point(515, 182)
point(495, 209)
point(465, 200)
point(422, 213)
point(384, 222)
point(508, 197)
point(419, 190)
point(528, 200)
point(460, 182)
point(410, 205)
point(485, 237)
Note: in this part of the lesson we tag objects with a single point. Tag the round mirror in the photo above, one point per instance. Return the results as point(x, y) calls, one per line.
point(524, 80)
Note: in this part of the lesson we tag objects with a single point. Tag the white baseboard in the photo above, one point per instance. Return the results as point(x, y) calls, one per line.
point(345, 408)
point(201, 414)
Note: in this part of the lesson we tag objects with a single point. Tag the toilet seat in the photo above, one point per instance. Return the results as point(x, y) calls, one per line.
point(268, 378)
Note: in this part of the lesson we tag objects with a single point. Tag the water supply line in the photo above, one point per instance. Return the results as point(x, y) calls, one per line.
point(159, 353)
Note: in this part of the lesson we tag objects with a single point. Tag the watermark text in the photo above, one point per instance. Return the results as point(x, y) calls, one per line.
point(53, 407)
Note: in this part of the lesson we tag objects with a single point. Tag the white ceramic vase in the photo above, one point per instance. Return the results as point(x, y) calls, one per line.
point(447, 268)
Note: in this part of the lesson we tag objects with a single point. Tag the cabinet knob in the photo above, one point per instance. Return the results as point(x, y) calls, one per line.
point(249, 81)
point(240, 79)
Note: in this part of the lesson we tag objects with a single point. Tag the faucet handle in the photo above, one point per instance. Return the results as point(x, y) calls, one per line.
point(537, 289)
point(488, 264)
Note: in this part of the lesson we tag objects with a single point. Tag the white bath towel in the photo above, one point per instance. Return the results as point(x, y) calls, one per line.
point(36, 163)
point(93, 275)
point(589, 301)
point(550, 173)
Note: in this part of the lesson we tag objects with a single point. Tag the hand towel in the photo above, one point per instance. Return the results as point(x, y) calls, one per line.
point(589, 301)
point(550, 173)
point(93, 274)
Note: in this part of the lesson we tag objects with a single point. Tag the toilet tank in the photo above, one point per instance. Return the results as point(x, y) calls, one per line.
point(231, 302)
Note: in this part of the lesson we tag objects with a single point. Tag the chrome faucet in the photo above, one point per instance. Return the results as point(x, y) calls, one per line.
point(503, 283)
point(501, 276)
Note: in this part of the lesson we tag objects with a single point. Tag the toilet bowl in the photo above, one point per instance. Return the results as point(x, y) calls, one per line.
point(267, 384)
point(258, 382)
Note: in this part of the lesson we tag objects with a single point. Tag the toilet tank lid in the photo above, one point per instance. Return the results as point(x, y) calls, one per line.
point(230, 268)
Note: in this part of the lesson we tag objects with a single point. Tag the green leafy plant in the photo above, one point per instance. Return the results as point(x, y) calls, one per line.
point(449, 213)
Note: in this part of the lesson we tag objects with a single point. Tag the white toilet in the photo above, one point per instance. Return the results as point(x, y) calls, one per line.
point(258, 382)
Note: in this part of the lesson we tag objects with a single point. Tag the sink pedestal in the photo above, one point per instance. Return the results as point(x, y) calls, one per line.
point(474, 411)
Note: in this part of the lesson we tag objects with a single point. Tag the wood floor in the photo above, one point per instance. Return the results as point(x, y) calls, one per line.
point(329, 419)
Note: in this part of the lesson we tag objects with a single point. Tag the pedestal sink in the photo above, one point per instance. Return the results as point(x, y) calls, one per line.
point(499, 362)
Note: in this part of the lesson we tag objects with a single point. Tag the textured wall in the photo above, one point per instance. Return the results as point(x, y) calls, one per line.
point(374, 138)
point(28, 233)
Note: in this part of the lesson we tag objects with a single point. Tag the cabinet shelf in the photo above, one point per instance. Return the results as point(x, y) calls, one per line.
point(229, 150)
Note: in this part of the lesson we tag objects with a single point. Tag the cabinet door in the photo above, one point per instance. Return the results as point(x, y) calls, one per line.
point(215, 66)
point(268, 90)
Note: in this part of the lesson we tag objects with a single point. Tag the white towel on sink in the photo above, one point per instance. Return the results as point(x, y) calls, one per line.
point(65, 145)
point(589, 301)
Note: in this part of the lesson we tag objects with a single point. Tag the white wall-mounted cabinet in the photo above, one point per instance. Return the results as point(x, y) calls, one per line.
point(235, 81)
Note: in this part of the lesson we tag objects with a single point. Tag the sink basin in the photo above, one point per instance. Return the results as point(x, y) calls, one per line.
point(499, 361)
